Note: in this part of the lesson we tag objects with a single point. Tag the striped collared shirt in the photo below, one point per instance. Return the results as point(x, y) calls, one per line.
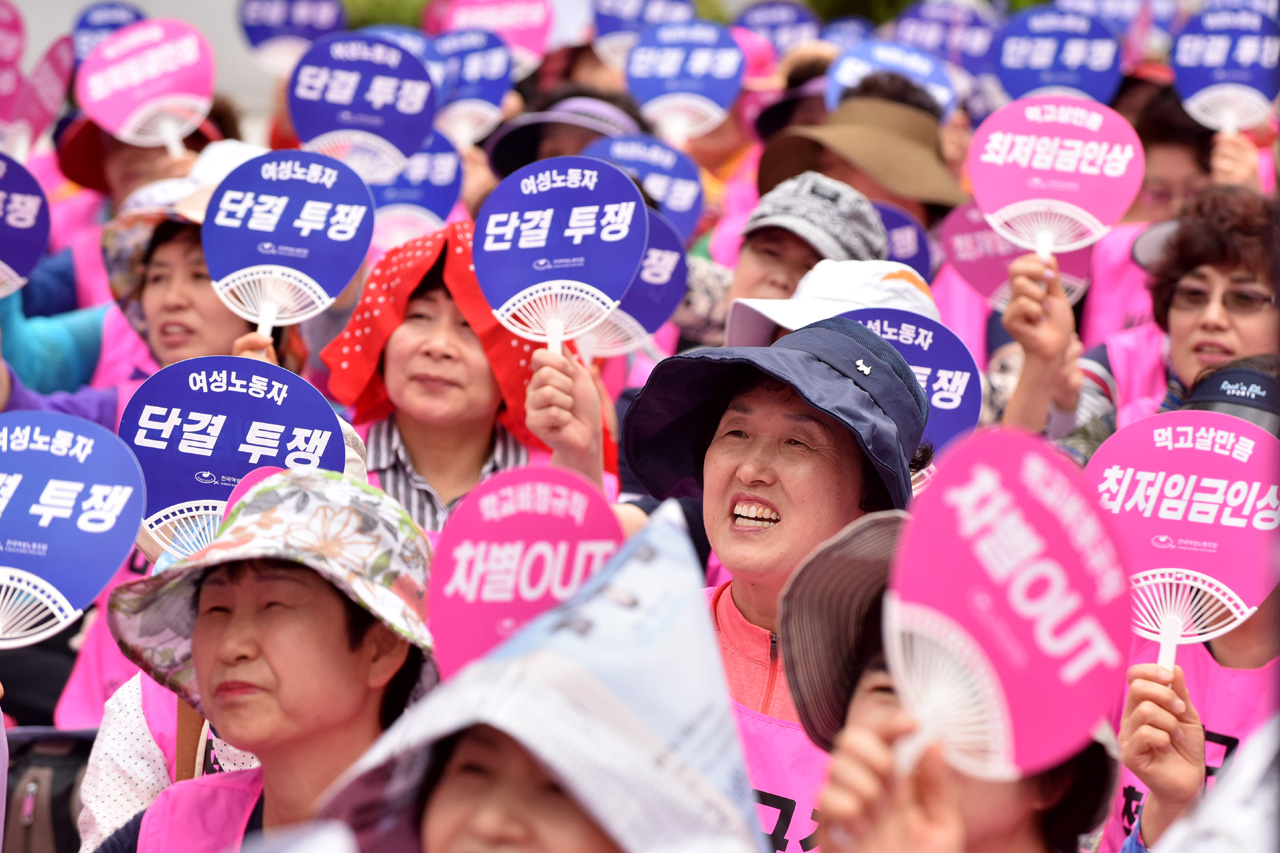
point(388, 458)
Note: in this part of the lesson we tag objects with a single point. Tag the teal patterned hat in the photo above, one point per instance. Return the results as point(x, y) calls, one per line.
point(355, 536)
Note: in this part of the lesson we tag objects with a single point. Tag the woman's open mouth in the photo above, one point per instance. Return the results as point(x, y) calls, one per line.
point(746, 514)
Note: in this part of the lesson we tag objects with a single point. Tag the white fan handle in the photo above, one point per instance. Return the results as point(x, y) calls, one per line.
point(555, 335)
point(908, 749)
point(1044, 246)
point(675, 130)
point(1170, 634)
point(172, 139)
point(267, 318)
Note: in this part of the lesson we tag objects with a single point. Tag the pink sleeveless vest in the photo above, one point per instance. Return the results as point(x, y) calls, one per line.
point(963, 310)
point(1137, 359)
point(72, 209)
point(100, 666)
point(205, 815)
point(787, 772)
point(1232, 704)
point(92, 286)
point(1118, 296)
point(160, 710)
point(123, 352)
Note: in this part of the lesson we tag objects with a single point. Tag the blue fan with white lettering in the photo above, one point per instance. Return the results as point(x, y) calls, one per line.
point(557, 244)
point(1225, 66)
point(198, 426)
point(650, 301)
point(71, 498)
point(283, 235)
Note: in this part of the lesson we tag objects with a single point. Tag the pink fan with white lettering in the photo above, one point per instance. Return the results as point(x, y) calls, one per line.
point(1006, 611)
point(149, 84)
point(1198, 500)
point(1053, 174)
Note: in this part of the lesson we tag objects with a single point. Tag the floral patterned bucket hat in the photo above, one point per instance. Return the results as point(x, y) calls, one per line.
point(353, 535)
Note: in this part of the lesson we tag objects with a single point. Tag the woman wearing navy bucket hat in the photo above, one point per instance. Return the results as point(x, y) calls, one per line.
point(784, 445)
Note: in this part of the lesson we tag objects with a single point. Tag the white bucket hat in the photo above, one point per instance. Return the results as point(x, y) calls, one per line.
point(829, 289)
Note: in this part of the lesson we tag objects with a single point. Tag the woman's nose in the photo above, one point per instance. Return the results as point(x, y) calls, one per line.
point(756, 465)
point(500, 818)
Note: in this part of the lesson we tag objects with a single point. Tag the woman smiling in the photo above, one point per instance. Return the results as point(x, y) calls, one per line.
point(785, 445)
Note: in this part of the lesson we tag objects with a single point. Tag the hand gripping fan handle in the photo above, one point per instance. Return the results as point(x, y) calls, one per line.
point(1170, 634)
point(555, 335)
point(908, 750)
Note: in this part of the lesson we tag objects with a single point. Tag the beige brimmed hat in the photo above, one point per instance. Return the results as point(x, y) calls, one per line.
point(824, 615)
point(829, 289)
point(353, 535)
point(895, 144)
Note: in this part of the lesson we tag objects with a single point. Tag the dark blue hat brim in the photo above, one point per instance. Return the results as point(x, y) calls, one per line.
point(670, 425)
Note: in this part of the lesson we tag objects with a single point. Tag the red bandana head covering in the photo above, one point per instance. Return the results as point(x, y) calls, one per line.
point(353, 357)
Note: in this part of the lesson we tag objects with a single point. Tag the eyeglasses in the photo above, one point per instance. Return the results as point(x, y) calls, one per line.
point(1191, 298)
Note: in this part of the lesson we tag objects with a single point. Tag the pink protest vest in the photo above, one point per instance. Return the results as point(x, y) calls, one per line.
point(100, 666)
point(92, 286)
point(787, 772)
point(738, 203)
point(963, 310)
point(1232, 704)
point(123, 352)
point(1118, 298)
point(209, 814)
point(1137, 358)
point(72, 209)
point(160, 710)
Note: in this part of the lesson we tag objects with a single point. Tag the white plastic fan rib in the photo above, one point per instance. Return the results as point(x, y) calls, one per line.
point(183, 529)
point(296, 295)
point(31, 609)
point(150, 125)
point(948, 684)
point(617, 334)
point(1228, 106)
point(1206, 608)
point(10, 281)
point(579, 307)
point(1069, 227)
point(680, 116)
point(614, 48)
point(370, 156)
point(467, 121)
point(1073, 286)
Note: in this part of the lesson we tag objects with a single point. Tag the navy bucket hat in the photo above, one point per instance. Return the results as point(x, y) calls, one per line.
point(837, 366)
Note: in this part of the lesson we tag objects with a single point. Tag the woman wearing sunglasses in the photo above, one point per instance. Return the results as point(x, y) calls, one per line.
point(1213, 298)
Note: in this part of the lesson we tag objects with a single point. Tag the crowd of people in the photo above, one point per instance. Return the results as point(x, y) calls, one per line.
point(791, 439)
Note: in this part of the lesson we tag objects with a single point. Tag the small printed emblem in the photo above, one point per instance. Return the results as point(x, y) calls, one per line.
point(866, 371)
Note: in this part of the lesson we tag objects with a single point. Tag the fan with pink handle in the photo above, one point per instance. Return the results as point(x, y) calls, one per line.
point(1006, 613)
point(1197, 500)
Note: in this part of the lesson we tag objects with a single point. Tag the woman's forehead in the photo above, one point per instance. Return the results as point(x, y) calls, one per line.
point(777, 399)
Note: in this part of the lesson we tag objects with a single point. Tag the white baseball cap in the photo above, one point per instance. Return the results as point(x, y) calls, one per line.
point(829, 289)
